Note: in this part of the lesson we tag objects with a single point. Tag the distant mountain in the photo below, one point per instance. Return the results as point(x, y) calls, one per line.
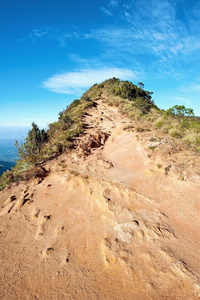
point(8, 154)
point(5, 165)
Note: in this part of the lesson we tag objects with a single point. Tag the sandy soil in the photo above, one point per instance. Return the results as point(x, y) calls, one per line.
point(106, 223)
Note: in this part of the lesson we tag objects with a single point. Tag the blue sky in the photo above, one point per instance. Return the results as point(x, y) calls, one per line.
point(52, 51)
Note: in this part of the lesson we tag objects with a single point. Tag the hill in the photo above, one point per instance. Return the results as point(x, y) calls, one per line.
point(8, 154)
point(5, 165)
point(106, 206)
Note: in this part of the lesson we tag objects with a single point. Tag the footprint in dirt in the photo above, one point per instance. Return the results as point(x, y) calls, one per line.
point(60, 257)
point(42, 225)
point(113, 250)
point(13, 203)
point(35, 213)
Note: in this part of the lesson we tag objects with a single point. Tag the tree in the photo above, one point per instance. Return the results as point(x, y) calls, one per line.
point(141, 85)
point(180, 110)
point(143, 105)
point(33, 142)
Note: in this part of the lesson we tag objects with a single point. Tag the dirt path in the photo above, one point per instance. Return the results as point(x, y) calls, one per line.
point(106, 223)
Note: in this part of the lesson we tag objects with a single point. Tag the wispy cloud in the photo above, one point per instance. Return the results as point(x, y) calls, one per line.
point(60, 36)
point(113, 3)
point(106, 11)
point(153, 28)
point(109, 9)
point(150, 35)
point(38, 33)
point(77, 82)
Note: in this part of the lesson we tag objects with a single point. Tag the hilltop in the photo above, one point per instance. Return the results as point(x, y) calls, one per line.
point(106, 205)
point(178, 123)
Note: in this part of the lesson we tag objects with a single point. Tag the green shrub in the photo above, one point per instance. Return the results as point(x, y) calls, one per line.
point(6, 179)
point(152, 147)
point(180, 111)
point(159, 124)
point(159, 166)
point(176, 134)
point(139, 129)
point(197, 140)
point(128, 127)
point(73, 172)
point(153, 139)
point(33, 143)
point(167, 169)
point(75, 103)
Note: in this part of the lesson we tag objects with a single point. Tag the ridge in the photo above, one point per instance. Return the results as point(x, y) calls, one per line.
point(106, 217)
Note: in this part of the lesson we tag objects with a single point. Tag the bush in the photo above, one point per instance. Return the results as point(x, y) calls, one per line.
point(139, 129)
point(127, 90)
point(180, 110)
point(159, 124)
point(197, 140)
point(153, 139)
point(176, 134)
point(6, 179)
point(33, 143)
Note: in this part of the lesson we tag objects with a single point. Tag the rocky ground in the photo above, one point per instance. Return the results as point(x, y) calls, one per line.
point(117, 218)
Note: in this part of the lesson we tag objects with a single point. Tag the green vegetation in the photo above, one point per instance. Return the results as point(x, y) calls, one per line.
point(135, 98)
point(62, 164)
point(152, 147)
point(179, 122)
point(159, 166)
point(33, 143)
point(41, 145)
point(73, 172)
point(139, 129)
point(132, 100)
point(167, 169)
point(129, 127)
point(180, 111)
point(153, 139)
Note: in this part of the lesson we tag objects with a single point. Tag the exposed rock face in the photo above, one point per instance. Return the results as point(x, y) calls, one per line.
point(104, 223)
point(91, 141)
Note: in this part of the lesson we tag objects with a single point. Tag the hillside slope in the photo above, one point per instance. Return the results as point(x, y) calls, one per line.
point(110, 220)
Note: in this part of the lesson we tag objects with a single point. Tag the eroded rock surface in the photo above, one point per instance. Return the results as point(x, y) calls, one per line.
point(105, 222)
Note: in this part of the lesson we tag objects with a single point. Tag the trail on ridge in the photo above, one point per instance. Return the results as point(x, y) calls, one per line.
point(105, 223)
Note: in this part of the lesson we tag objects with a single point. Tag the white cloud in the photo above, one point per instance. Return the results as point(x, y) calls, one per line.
point(155, 25)
point(77, 82)
point(113, 3)
point(58, 35)
point(110, 7)
point(106, 11)
point(37, 33)
point(177, 48)
point(150, 34)
point(158, 36)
